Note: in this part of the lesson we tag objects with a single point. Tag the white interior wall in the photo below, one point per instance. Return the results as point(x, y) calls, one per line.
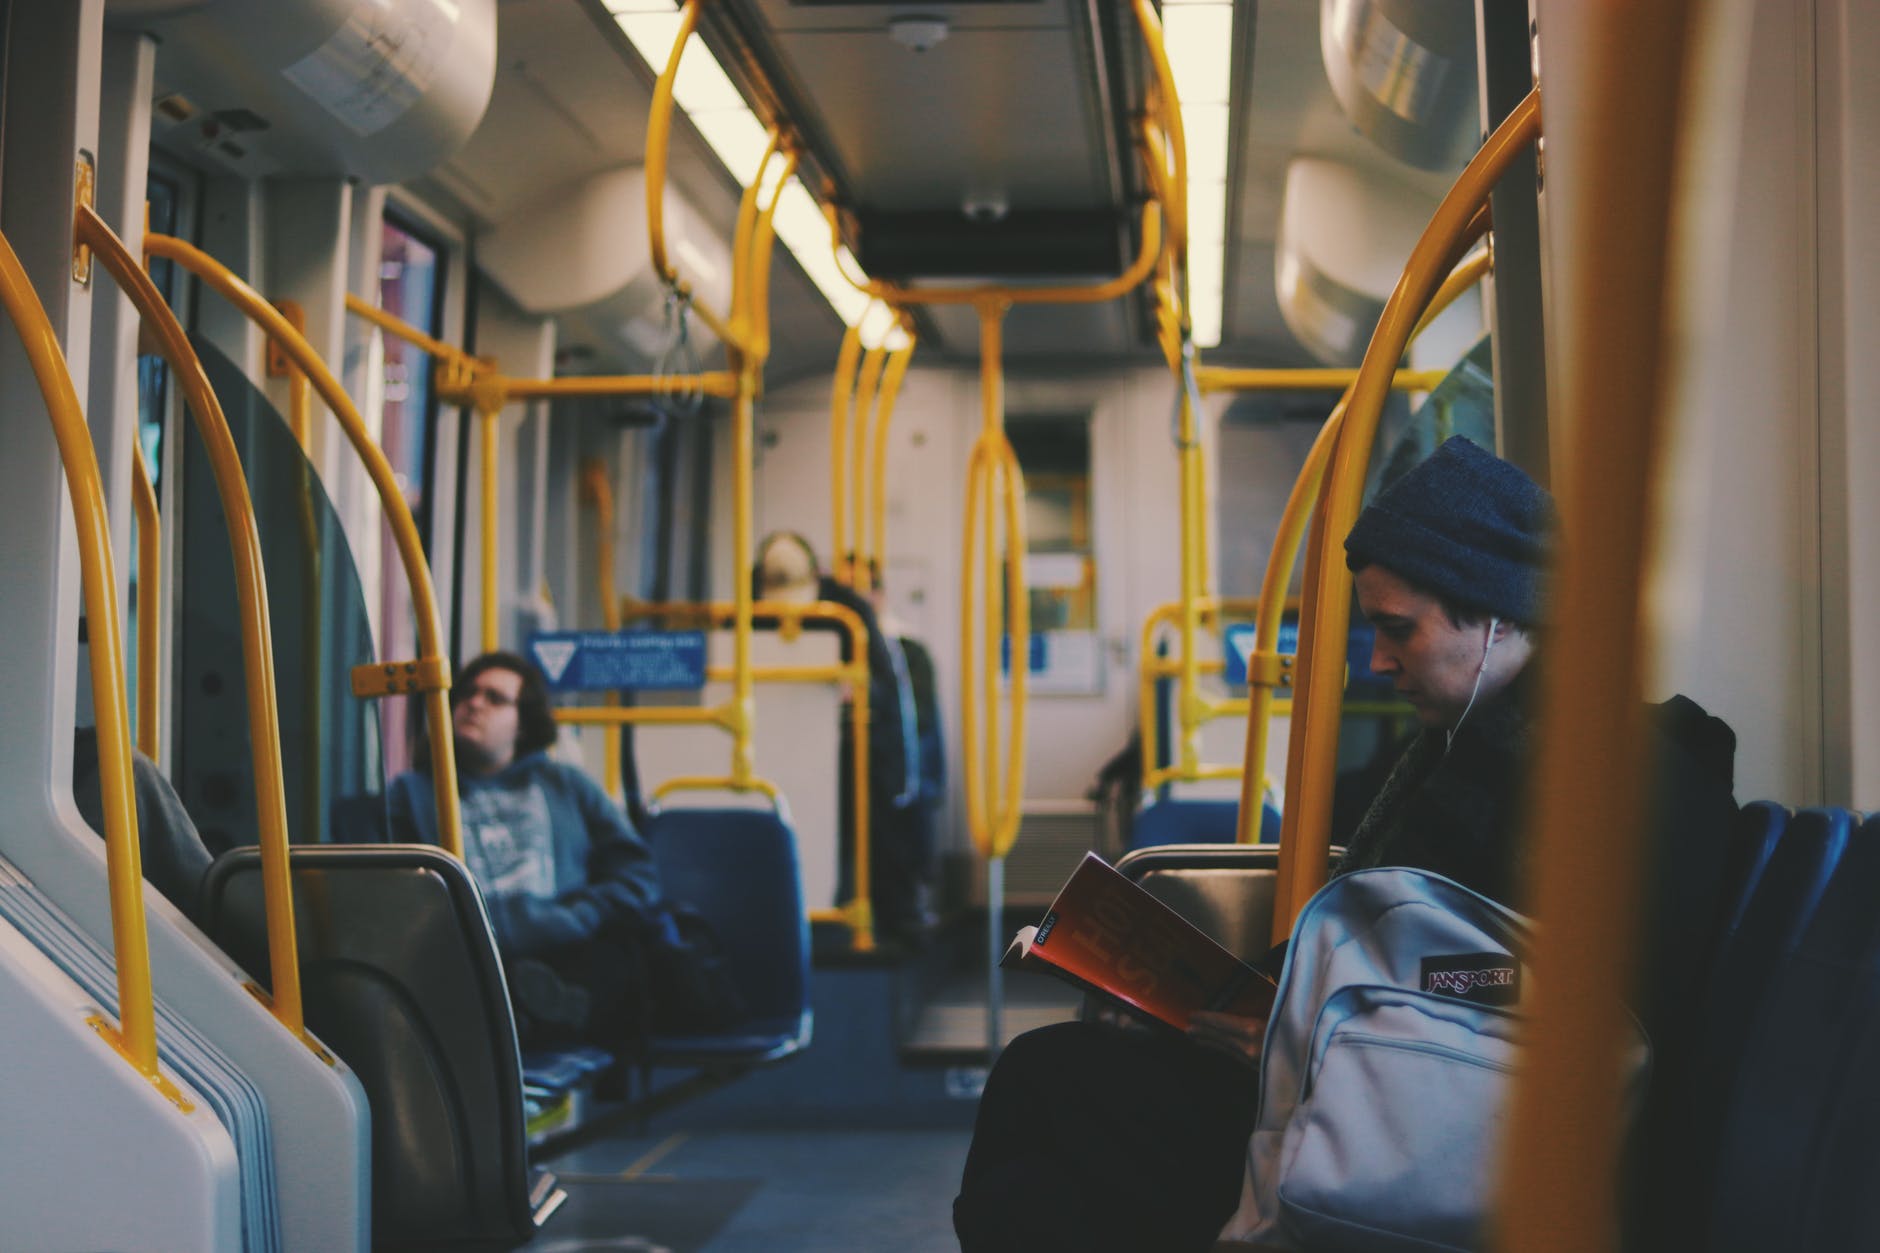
point(1134, 518)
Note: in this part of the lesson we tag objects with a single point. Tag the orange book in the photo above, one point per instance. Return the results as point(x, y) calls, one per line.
point(1109, 936)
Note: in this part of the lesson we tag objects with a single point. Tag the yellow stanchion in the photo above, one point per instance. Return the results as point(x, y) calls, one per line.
point(867, 387)
point(1314, 746)
point(841, 410)
point(658, 148)
point(136, 1035)
point(1589, 791)
point(264, 729)
point(432, 670)
point(884, 419)
point(489, 436)
point(149, 605)
point(1173, 184)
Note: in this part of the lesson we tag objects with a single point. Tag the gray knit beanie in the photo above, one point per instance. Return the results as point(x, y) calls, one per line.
point(1464, 525)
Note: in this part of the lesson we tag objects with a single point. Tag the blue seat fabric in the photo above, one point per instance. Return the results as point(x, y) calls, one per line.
point(739, 869)
point(1176, 821)
point(554, 1071)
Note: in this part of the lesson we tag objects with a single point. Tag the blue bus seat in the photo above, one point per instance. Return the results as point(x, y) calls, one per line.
point(739, 869)
point(1800, 1063)
point(400, 976)
point(1183, 821)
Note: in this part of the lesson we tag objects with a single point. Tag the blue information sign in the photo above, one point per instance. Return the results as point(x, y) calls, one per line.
point(595, 661)
point(1238, 644)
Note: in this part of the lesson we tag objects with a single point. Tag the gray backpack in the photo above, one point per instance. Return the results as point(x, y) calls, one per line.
point(1388, 1067)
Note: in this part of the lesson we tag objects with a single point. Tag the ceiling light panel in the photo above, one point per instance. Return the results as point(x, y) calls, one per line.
point(1199, 38)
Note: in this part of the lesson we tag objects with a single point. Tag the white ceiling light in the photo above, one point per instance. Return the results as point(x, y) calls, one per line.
point(1199, 38)
point(918, 33)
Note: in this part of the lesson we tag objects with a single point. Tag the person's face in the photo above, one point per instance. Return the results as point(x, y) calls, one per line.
point(486, 721)
point(1432, 661)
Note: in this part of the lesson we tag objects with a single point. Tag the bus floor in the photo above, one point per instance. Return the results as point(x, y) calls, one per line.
point(776, 1190)
point(854, 1144)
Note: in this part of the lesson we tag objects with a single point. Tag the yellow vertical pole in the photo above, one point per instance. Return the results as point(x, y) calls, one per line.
point(149, 601)
point(841, 404)
point(992, 434)
point(488, 431)
point(884, 418)
point(1589, 792)
point(867, 389)
point(1188, 751)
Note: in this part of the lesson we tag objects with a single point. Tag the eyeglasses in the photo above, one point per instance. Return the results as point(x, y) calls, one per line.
point(495, 698)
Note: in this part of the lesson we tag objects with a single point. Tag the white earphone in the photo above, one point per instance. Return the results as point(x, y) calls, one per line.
point(1481, 671)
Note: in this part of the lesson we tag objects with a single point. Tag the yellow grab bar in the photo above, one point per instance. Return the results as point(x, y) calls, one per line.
point(391, 498)
point(264, 727)
point(149, 602)
point(489, 438)
point(1173, 182)
point(1214, 378)
point(993, 811)
point(658, 146)
point(867, 387)
point(1314, 745)
point(717, 783)
point(1588, 807)
point(884, 418)
point(841, 411)
point(136, 1035)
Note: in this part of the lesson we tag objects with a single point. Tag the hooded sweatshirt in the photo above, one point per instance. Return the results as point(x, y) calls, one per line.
point(557, 861)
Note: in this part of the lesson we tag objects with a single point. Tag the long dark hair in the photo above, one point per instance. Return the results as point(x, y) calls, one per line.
point(535, 720)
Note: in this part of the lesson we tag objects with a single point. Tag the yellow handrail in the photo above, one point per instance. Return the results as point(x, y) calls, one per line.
point(743, 237)
point(599, 492)
point(884, 418)
point(1266, 670)
point(149, 602)
point(1588, 801)
point(251, 597)
point(391, 498)
point(1208, 609)
point(1175, 184)
point(489, 438)
point(136, 1035)
point(867, 387)
point(1214, 378)
point(1314, 745)
point(993, 811)
point(841, 411)
point(658, 146)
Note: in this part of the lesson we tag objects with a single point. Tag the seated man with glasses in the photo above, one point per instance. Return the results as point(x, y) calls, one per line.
point(573, 895)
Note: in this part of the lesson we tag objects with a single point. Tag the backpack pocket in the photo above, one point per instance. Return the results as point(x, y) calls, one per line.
point(1393, 1145)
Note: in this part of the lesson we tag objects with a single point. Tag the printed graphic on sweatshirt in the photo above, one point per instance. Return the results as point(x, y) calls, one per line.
point(508, 842)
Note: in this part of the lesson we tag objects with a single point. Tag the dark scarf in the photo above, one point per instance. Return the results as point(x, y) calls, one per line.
point(1457, 811)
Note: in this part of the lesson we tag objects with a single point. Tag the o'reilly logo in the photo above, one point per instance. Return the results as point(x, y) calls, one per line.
point(1044, 929)
point(1484, 978)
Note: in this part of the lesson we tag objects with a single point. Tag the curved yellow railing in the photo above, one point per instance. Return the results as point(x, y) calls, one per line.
point(658, 147)
point(431, 672)
point(1588, 799)
point(264, 726)
point(136, 1035)
point(1312, 759)
point(1172, 178)
point(876, 556)
point(149, 602)
point(1267, 668)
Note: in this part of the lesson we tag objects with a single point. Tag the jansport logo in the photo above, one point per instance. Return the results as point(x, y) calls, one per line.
point(1484, 978)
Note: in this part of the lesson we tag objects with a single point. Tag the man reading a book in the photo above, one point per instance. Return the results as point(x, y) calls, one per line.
point(1094, 1138)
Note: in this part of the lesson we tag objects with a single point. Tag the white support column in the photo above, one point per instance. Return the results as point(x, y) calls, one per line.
point(232, 229)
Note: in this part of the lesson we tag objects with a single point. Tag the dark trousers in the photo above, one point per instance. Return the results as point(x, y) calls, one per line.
point(1100, 1140)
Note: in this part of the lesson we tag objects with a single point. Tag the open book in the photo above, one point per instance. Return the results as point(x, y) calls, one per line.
point(1108, 936)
